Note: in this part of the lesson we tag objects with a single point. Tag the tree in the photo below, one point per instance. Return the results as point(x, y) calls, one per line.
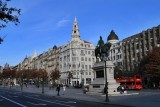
point(141, 68)
point(8, 14)
point(55, 75)
point(117, 72)
point(6, 73)
point(152, 68)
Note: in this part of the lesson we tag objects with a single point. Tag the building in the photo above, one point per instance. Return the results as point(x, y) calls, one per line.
point(136, 47)
point(116, 54)
point(77, 57)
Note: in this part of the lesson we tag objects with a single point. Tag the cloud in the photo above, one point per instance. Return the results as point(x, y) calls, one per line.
point(62, 22)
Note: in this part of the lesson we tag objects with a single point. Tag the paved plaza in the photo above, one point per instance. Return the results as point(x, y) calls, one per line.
point(143, 98)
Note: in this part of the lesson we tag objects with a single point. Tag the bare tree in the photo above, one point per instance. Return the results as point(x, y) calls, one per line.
point(8, 14)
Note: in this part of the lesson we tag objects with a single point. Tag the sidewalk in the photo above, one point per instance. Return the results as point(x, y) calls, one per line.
point(122, 99)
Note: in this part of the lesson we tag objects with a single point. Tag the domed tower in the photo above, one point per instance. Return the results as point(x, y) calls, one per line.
point(112, 38)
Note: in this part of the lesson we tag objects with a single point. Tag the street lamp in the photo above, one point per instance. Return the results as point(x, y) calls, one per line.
point(81, 78)
point(10, 82)
point(43, 82)
point(106, 85)
point(22, 82)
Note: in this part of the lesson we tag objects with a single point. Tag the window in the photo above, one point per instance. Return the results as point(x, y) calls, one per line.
point(93, 53)
point(82, 58)
point(82, 66)
point(89, 52)
point(86, 73)
point(89, 73)
point(93, 60)
point(89, 59)
point(86, 67)
point(99, 74)
point(88, 80)
point(90, 67)
point(85, 59)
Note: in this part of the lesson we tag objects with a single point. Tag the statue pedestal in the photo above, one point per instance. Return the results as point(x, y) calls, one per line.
point(98, 83)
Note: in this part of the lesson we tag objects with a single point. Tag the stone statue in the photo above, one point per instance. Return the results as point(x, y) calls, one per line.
point(102, 49)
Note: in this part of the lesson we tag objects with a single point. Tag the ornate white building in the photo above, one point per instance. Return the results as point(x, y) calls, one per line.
point(77, 57)
point(116, 54)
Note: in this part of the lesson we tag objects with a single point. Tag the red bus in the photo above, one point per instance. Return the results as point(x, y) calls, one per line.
point(134, 82)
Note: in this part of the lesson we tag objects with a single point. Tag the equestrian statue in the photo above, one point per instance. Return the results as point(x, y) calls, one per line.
point(102, 50)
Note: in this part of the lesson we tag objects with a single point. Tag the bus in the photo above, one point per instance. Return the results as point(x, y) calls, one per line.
point(134, 82)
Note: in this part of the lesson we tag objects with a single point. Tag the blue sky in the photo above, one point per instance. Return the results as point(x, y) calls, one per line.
point(45, 23)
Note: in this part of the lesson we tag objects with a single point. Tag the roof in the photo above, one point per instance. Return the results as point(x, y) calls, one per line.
point(86, 42)
point(112, 36)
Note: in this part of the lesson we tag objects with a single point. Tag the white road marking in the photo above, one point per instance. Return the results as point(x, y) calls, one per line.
point(13, 101)
point(37, 104)
point(65, 101)
point(71, 102)
point(49, 101)
point(34, 95)
point(15, 96)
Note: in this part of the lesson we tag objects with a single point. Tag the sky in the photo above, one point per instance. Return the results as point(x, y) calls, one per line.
point(45, 23)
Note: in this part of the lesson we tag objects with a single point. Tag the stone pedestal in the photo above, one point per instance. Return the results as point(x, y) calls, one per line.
point(98, 83)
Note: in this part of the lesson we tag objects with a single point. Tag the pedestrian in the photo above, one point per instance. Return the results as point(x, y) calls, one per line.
point(58, 89)
point(122, 89)
point(85, 90)
point(64, 88)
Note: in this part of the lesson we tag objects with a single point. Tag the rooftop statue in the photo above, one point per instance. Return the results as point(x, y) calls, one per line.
point(102, 50)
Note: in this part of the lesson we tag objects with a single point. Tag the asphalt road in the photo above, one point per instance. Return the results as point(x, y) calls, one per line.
point(12, 98)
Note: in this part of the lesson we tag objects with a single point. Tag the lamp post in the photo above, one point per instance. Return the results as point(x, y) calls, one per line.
point(43, 82)
point(22, 82)
point(77, 78)
point(10, 82)
point(106, 85)
point(81, 78)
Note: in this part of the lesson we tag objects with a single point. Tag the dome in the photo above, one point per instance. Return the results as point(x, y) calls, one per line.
point(112, 36)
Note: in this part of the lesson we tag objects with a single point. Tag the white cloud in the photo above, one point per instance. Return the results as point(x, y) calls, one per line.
point(62, 22)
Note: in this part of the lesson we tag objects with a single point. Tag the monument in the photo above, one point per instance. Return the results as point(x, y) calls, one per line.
point(104, 71)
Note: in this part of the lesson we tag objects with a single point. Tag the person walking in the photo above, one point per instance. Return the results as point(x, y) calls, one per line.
point(58, 89)
point(64, 89)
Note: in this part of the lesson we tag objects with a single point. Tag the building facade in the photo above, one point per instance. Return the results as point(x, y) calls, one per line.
point(77, 57)
point(116, 54)
point(136, 47)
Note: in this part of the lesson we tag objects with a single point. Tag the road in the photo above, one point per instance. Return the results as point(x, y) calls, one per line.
point(145, 98)
point(13, 98)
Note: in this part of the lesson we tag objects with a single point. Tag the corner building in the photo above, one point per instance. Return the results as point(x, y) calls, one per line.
point(77, 57)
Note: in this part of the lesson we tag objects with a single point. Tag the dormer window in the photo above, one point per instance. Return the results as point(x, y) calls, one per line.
point(74, 31)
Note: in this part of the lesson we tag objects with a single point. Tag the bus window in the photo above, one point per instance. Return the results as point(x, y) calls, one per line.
point(138, 77)
point(138, 83)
